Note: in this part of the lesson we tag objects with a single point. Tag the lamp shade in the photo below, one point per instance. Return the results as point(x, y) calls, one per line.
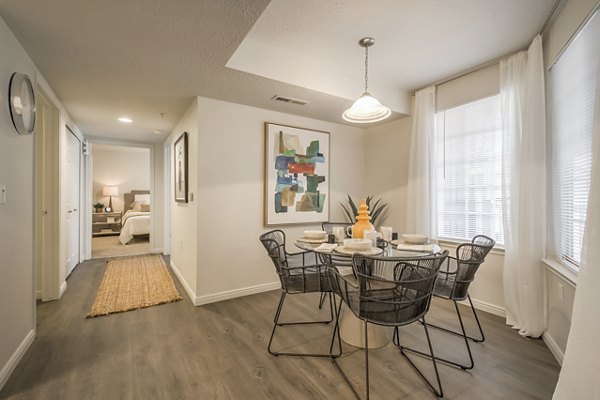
point(110, 191)
point(366, 109)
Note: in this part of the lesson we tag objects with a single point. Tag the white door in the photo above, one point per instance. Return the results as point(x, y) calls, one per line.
point(73, 192)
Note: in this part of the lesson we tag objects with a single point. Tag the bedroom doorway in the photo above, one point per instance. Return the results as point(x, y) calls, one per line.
point(121, 184)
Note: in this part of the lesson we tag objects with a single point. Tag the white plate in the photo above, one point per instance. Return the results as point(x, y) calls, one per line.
point(315, 234)
point(414, 238)
point(358, 244)
point(373, 251)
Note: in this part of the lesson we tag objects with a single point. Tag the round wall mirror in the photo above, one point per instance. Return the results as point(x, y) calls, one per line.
point(22, 103)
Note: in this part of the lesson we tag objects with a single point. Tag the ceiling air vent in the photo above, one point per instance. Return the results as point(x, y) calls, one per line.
point(290, 100)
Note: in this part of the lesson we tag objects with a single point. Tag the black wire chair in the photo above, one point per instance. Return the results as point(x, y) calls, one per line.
point(389, 292)
point(453, 284)
point(296, 277)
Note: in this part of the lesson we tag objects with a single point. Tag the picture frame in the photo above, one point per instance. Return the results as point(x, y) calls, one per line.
point(180, 159)
point(296, 182)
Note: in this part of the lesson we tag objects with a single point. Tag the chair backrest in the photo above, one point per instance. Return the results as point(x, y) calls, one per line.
point(328, 226)
point(469, 256)
point(395, 291)
point(274, 242)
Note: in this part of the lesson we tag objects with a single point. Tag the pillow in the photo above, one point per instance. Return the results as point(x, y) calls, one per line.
point(146, 207)
point(142, 198)
point(136, 206)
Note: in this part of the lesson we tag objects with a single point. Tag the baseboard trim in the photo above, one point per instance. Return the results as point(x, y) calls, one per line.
point(63, 288)
point(158, 250)
point(191, 294)
point(554, 347)
point(38, 294)
point(487, 307)
point(232, 294)
point(14, 360)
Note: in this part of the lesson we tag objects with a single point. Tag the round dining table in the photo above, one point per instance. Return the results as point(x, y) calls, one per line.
point(351, 327)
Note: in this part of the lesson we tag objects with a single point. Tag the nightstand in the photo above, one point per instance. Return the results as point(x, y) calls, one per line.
point(106, 223)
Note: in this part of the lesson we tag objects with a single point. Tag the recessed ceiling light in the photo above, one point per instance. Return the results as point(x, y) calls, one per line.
point(157, 131)
point(126, 120)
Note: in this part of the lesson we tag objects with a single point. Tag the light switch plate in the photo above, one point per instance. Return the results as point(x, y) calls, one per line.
point(2, 193)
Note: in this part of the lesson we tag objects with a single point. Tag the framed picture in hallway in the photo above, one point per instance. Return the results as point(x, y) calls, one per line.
point(296, 175)
point(181, 168)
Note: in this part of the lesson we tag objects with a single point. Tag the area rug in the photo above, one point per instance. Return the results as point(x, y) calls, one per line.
point(134, 282)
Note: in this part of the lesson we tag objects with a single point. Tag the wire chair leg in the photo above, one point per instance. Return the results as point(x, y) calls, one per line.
point(462, 327)
point(366, 360)
point(276, 324)
point(322, 299)
point(444, 360)
point(336, 331)
point(481, 339)
point(437, 391)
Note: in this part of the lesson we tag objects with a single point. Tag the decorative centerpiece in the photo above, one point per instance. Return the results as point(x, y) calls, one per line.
point(362, 219)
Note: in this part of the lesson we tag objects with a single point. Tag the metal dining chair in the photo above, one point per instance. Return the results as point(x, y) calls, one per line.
point(390, 292)
point(296, 277)
point(453, 284)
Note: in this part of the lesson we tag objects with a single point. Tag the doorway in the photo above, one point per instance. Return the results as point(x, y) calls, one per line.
point(121, 196)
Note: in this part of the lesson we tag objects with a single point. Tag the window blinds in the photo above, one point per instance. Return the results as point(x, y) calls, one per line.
point(573, 82)
point(469, 170)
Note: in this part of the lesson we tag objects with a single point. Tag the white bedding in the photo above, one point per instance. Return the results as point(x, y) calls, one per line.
point(134, 223)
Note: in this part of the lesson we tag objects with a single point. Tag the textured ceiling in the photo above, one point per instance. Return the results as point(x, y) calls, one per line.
point(314, 43)
point(141, 58)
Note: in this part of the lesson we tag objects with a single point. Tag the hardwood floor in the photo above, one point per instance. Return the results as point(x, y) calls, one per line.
point(218, 351)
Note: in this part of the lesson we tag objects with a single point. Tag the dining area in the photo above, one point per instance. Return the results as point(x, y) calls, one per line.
point(371, 285)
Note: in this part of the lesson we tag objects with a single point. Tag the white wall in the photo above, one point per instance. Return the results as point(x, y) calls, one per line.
point(183, 216)
point(387, 148)
point(227, 150)
point(17, 284)
point(17, 304)
point(124, 166)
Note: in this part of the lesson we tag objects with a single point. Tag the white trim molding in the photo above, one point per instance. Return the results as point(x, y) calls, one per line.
point(191, 294)
point(63, 288)
point(12, 362)
point(554, 347)
point(232, 294)
point(486, 307)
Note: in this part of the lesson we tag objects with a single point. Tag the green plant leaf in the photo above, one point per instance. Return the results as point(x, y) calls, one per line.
point(353, 206)
point(350, 218)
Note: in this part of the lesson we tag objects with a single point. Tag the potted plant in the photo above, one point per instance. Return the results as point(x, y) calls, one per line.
point(376, 208)
point(99, 207)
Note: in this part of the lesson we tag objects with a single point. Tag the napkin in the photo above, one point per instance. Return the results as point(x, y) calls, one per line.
point(416, 247)
point(326, 247)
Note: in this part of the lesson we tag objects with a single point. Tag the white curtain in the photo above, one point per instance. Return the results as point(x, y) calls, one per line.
point(579, 374)
point(421, 205)
point(524, 187)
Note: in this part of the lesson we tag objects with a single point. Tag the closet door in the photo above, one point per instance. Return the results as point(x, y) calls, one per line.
point(72, 198)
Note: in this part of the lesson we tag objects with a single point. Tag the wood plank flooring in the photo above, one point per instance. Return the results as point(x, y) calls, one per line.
point(218, 351)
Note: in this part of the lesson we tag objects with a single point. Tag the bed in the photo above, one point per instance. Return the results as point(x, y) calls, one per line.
point(136, 216)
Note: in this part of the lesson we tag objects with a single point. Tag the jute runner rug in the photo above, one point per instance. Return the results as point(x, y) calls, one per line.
point(132, 283)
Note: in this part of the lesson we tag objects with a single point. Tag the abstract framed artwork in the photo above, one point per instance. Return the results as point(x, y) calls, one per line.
point(296, 175)
point(181, 168)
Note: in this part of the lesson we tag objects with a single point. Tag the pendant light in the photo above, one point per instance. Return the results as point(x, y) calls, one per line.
point(367, 108)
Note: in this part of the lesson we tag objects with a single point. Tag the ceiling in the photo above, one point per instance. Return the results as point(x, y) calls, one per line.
point(140, 58)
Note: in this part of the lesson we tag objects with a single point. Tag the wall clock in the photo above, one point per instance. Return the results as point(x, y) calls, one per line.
point(22, 103)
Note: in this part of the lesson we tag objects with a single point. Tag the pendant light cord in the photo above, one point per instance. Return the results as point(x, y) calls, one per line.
point(366, 69)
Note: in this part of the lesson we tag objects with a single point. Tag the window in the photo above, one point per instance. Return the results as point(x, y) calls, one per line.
point(573, 82)
point(469, 170)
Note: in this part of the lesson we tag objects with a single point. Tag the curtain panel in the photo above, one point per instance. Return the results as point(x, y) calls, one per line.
point(524, 187)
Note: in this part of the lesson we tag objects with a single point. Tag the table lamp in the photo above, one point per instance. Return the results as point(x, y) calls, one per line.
point(110, 191)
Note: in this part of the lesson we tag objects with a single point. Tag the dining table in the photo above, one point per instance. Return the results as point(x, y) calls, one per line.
point(351, 327)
